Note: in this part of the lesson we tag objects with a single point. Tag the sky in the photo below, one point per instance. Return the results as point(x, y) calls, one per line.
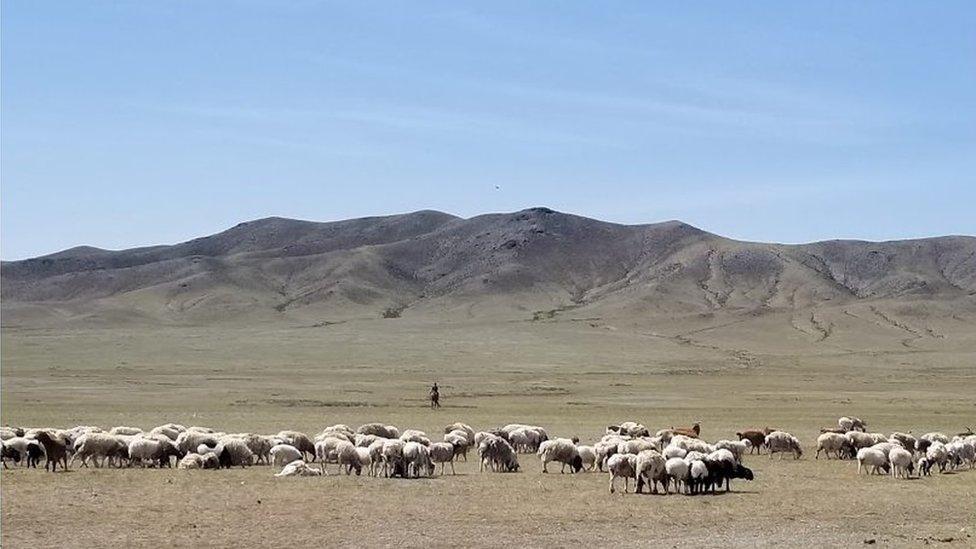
point(139, 123)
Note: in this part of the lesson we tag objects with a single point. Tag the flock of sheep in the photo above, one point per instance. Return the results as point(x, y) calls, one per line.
point(897, 454)
point(675, 459)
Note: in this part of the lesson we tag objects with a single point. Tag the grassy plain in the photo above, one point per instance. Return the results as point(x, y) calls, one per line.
point(573, 375)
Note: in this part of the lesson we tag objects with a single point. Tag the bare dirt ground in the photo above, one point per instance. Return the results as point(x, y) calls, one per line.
point(571, 375)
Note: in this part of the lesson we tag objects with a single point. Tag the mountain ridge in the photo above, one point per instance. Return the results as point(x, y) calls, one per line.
point(532, 258)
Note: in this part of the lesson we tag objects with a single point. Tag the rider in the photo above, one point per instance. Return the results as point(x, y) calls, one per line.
point(435, 396)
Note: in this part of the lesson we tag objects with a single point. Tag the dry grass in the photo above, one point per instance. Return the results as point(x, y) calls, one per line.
point(572, 377)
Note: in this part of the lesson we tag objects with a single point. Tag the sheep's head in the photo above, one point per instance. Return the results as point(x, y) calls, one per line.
point(577, 464)
point(741, 471)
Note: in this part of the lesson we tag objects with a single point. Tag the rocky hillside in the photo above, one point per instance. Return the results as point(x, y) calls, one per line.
point(510, 263)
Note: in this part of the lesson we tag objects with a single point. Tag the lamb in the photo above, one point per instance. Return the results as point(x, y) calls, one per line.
point(837, 443)
point(737, 447)
point(54, 448)
point(872, 460)
point(781, 442)
point(232, 451)
point(378, 429)
point(677, 470)
point(125, 431)
point(588, 456)
point(283, 454)
point(299, 469)
point(98, 447)
point(348, 457)
point(901, 462)
point(622, 466)
point(443, 452)
point(562, 450)
point(756, 437)
point(650, 469)
point(199, 461)
point(417, 459)
point(298, 440)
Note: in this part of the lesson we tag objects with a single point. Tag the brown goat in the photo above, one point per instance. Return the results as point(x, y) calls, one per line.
point(756, 438)
point(837, 430)
point(692, 432)
point(55, 448)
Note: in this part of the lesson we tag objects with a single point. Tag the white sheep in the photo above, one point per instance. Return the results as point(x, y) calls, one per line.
point(460, 442)
point(283, 454)
point(622, 466)
point(365, 459)
point(348, 457)
point(199, 461)
point(636, 446)
point(837, 443)
point(375, 451)
point(562, 450)
point(697, 473)
point(852, 424)
point(122, 430)
point(443, 452)
point(462, 427)
point(901, 462)
point(737, 447)
point(413, 435)
point(782, 442)
point(672, 451)
point(392, 455)
point(327, 449)
point(872, 460)
point(588, 455)
point(233, 451)
point(378, 429)
point(650, 469)
point(937, 454)
point(677, 470)
point(98, 447)
point(189, 441)
point(300, 469)
point(417, 459)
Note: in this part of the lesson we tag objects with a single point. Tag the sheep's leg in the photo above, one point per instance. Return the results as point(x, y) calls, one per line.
point(611, 484)
point(453, 472)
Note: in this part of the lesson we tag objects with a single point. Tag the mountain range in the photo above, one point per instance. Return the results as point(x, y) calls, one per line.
point(531, 263)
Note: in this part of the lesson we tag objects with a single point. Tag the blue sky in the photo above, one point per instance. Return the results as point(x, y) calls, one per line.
point(136, 123)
